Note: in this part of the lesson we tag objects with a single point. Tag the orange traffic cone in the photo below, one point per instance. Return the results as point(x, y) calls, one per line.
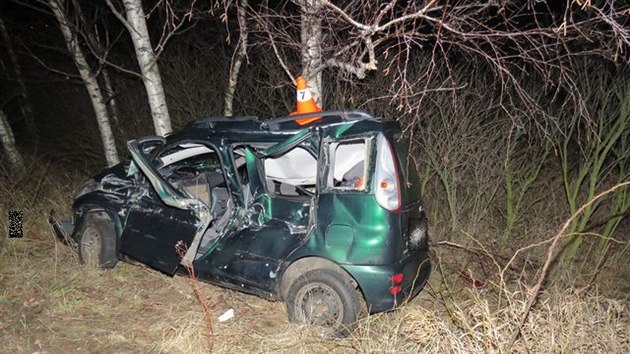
point(305, 102)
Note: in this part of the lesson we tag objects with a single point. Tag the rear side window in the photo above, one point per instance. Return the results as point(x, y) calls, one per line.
point(349, 164)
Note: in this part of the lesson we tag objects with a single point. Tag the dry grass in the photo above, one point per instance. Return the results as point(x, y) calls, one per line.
point(53, 304)
point(563, 322)
point(50, 303)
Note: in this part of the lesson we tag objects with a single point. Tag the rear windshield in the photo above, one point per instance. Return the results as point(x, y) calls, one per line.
point(409, 165)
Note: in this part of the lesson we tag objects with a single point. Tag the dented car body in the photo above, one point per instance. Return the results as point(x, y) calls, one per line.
point(269, 208)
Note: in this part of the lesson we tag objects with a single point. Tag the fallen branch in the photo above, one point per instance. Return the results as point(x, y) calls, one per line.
point(181, 251)
point(477, 252)
point(457, 245)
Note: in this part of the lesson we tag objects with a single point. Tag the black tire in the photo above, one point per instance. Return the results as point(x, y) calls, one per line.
point(97, 241)
point(324, 298)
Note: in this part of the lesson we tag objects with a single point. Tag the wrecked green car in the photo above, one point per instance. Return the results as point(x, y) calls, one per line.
point(320, 210)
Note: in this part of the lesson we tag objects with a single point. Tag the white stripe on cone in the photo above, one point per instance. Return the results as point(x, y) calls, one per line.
point(304, 95)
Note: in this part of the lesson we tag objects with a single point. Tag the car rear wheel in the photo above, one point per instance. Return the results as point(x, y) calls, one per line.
point(323, 298)
point(97, 241)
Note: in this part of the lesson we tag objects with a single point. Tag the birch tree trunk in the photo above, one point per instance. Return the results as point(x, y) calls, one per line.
point(8, 143)
point(137, 27)
point(91, 84)
point(311, 35)
point(111, 99)
point(100, 46)
point(239, 54)
point(25, 105)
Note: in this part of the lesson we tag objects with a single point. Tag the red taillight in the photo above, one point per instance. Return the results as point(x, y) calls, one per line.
point(396, 280)
point(395, 289)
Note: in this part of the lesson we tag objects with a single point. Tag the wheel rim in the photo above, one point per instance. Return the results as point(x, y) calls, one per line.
point(91, 246)
point(319, 304)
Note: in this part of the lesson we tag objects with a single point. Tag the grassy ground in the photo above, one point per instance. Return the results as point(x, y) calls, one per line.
point(49, 303)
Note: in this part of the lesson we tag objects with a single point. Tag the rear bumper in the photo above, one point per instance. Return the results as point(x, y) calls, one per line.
point(375, 281)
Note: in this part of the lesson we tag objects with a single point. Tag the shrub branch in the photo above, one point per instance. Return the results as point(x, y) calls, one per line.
point(551, 256)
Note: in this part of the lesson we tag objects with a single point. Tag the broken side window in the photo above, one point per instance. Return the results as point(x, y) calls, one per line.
point(196, 169)
point(291, 174)
point(240, 163)
point(349, 164)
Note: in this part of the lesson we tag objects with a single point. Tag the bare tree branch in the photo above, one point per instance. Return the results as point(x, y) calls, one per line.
point(120, 17)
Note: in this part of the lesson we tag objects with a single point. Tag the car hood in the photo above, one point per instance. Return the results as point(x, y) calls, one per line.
point(118, 170)
point(112, 180)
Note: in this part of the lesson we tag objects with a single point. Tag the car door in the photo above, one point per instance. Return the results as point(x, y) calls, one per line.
point(347, 221)
point(251, 256)
point(161, 218)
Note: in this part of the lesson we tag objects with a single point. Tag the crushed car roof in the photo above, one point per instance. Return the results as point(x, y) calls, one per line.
point(285, 124)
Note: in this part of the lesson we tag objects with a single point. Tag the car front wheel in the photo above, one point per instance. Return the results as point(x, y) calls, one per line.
point(323, 298)
point(97, 241)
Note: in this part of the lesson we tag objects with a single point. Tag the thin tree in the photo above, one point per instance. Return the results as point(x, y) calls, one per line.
point(8, 143)
point(90, 81)
point(111, 96)
point(237, 59)
point(99, 44)
point(311, 49)
point(136, 25)
point(25, 105)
